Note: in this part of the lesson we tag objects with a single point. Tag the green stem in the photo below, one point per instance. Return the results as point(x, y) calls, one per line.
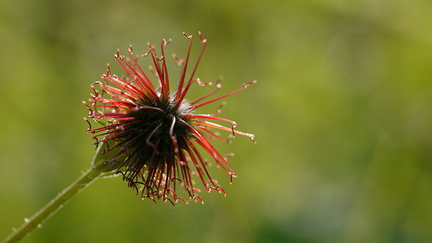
point(52, 207)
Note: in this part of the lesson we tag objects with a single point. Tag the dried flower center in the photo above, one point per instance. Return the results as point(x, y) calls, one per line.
point(156, 127)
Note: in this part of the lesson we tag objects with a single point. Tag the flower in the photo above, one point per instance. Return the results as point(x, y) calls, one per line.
point(153, 132)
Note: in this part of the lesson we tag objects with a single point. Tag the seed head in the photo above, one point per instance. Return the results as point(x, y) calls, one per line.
point(151, 133)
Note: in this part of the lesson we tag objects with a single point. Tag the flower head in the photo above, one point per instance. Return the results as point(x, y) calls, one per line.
point(153, 132)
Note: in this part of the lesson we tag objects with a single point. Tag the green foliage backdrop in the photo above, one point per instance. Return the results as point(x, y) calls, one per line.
point(342, 113)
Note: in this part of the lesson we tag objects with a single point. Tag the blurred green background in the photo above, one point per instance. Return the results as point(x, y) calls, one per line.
point(342, 114)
